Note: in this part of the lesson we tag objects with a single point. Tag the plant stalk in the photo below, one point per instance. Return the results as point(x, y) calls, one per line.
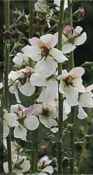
point(60, 97)
point(5, 78)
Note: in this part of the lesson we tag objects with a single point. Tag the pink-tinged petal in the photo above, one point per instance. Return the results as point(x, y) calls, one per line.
point(57, 55)
point(36, 42)
point(77, 82)
point(54, 40)
point(77, 72)
point(81, 113)
point(46, 38)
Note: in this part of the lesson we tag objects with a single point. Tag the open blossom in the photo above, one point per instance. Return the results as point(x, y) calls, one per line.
point(73, 38)
point(43, 48)
point(71, 84)
point(85, 101)
point(47, 114)
point(20, 120)
point(25, 81)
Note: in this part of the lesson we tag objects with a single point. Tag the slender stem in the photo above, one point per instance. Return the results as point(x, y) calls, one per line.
point(34, 153)
point(60, 97)
point(31, 14)
point(6, 71)
point(74, 109)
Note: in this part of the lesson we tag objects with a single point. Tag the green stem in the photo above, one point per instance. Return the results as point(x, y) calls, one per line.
point(31, 15)
point(34, 153)
point(60, 97)
point(74, 109)
point(6, 71)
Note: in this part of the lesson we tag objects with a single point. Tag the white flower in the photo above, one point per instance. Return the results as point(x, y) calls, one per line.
point(20, 80)
point(73, 38)
point(47, 114)
point(44, 48)
point(71, 85)
point(85, 101)
point(20, 120)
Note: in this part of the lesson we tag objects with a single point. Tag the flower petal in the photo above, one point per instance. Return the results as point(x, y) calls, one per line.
point(5, 129)
point(48, 169)
point(81, 114)
point(46, 67)
point(27, 89)
point(32, 52)
point(48, 122)
point(71, 95)
point(57, 55)
point(20, 132)
point(50, 92)
point(86, 100)
point(37, 80)
point(81, 39)
point(77, 72)
point(68, 47)
point(31, 123)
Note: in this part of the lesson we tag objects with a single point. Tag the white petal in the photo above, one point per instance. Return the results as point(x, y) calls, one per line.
point(5, 129)
point(20, 132)
point(48, 122)
point(31, 123)
point(19, 59)
point(1, 85)
point(54, 129)
point(77, 72)
point(48, 169)
point(13, 90)
point(50, 92)
point(78, 29)
point(71, 95)
point(81, 39)
point(57, 55)
point(25, 166)
point(11, 119)
point(68, 47)
point(37, 80)
point(86, 100)
point(27, 89)
point(32, 52)
point(81, 113)
point(46, 67)
point(46, 38)
point(66, 110)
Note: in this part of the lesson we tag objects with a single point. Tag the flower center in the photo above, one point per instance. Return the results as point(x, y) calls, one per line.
point(45, 112)
point(44, 51)
point(68, 80)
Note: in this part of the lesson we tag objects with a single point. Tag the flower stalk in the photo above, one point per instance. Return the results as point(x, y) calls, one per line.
point(34, 152)
point(5, 78)
point(60, 97)
point(74, 109)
